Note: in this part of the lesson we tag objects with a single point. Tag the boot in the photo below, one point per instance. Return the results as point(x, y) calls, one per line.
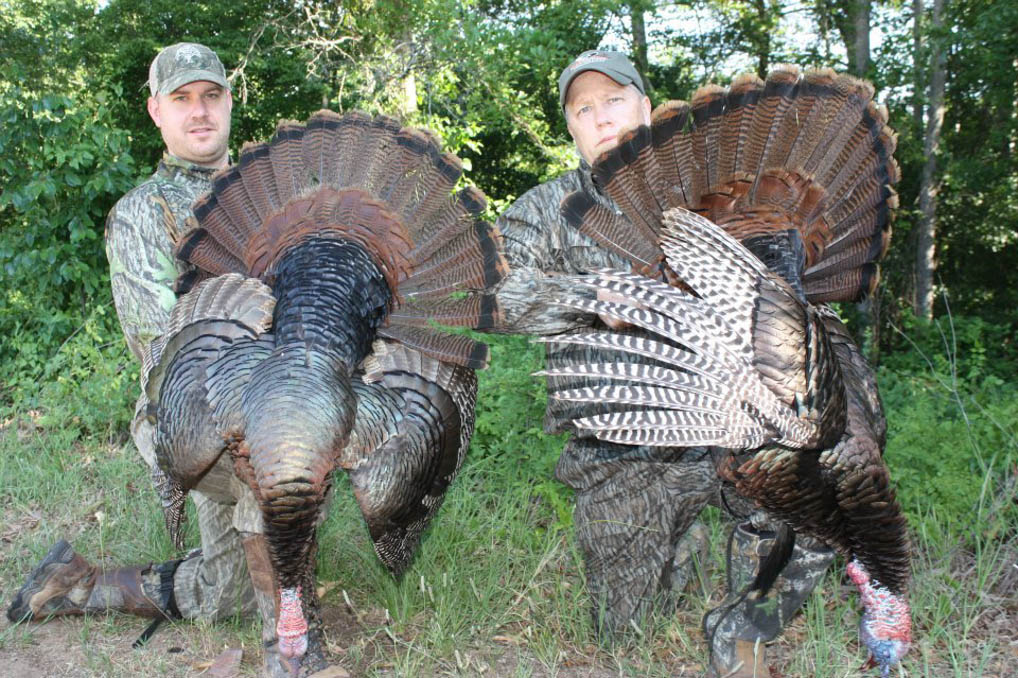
point(64, 583)
point(738, 628)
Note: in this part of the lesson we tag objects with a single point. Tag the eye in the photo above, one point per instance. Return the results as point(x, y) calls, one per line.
point(582, 109)
point(212, 95)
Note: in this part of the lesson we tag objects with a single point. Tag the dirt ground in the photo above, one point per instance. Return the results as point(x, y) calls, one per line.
point(101, 648)
point(360, 644)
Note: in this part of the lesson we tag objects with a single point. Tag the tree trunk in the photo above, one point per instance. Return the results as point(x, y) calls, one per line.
point(917, 60)
point(639, 28)
point(408, 83)
point(764, 47)
point(861, 48)
point(925, 254)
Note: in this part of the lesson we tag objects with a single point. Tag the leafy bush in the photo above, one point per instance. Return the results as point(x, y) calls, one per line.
point(952, 441)
point(967, 347)
point(62, 166)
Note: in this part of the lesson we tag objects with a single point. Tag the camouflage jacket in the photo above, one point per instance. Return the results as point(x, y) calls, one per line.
point(141, 231)
point(539, 245)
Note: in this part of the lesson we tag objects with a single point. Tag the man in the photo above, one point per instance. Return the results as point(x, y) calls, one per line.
point(190, 103)
point(636, 507)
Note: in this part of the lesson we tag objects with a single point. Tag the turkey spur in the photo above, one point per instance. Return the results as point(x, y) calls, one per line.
point(745, 212)
point(305, 343)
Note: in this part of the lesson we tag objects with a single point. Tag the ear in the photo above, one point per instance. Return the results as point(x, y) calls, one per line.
point(645, 109)
point(153, 111)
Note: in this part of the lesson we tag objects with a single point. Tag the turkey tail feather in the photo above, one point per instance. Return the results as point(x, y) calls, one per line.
point(366, 180)
point(810, 152)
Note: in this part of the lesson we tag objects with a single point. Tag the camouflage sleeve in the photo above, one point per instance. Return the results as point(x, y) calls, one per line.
point(538, 252)
point(142, 268)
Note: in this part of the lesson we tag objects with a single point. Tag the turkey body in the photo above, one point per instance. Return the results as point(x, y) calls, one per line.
point(745, 212)
point(304, 342)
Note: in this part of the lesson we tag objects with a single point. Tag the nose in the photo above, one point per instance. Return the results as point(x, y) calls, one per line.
point(200, 108)
point(601, 116)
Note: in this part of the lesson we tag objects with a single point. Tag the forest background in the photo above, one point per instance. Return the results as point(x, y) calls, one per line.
point(74, 136)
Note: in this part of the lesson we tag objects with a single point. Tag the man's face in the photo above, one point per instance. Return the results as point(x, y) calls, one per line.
point(195, 122)
point(598, 109)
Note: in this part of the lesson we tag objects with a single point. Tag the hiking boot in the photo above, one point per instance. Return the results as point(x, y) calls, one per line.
point(737, 629)
point(60, 584)
point(64, 583)
point(746, 660)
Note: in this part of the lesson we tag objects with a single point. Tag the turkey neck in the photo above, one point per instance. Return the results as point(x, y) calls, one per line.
point(330, 295)
point(299, 406)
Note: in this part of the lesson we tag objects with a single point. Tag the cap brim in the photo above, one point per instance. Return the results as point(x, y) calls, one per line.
point(184, 77)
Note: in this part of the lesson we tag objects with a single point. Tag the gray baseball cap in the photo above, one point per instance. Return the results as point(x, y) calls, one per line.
point(613, 64)
point(185, 62)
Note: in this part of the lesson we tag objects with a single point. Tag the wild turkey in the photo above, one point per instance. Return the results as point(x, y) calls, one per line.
point(788, 183)
point(335, 247)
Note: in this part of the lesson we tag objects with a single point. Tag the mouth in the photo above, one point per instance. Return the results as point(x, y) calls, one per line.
point(201, 130)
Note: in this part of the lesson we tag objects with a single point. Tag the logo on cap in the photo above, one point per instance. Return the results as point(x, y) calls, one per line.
point(189, 56)
point(586, 59)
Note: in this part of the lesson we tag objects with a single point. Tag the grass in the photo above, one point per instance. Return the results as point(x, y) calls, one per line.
point(497, 588)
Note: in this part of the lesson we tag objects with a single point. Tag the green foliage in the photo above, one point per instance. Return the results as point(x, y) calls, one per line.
point(951, 403)
point(969, 349)
point(41, 44)
point(943, 444)
point(508, 429)
point(62, 165)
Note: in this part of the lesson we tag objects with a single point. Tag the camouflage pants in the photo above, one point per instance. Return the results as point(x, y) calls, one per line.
point(216, 583)
point(633, 506)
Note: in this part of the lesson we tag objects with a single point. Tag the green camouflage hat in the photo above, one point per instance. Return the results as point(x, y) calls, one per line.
point(613, 64)
point(185, 62)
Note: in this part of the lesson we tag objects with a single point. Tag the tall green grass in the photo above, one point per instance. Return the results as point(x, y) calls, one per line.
point(497, 588)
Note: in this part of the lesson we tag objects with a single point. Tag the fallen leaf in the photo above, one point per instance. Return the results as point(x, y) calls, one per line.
point(227, 664)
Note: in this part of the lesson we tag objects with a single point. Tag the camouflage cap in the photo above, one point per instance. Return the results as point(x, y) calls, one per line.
point(184, 62)
point(613, 64)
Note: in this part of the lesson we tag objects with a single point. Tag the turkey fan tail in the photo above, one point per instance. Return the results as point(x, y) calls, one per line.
point(457, 253)
point(449, 348)
point(642, 176)
point(414, 413)
point(611, 230)
point(808, 151)
point(630, 174)
point(365, 180)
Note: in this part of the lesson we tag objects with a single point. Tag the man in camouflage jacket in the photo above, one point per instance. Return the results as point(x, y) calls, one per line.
point(636, 507)
point(191, 104)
